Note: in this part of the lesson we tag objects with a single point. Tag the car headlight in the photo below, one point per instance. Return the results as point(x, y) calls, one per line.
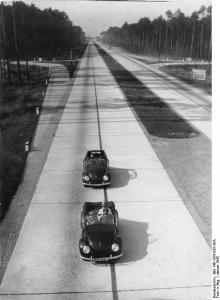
point(86, 178)
point(115, 247)
point(86, 249)
point(105, 177)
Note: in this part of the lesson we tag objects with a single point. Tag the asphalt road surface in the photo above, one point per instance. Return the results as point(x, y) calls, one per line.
point(165, 253)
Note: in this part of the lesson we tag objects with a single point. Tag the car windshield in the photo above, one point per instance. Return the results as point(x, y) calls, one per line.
point(96, 162)
point(93, 219)
point(101, 162)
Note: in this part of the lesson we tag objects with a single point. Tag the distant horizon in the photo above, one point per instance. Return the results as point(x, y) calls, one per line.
point(97, 16)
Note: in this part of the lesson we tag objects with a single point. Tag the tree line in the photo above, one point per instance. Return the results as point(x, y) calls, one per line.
point(176, 35)
point(27, 32)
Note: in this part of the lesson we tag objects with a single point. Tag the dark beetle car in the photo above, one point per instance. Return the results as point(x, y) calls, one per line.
point(100, 240)
point(96, 169)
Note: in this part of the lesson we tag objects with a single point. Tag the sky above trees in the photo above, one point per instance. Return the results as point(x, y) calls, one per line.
point(97, 16)
point(174, 36)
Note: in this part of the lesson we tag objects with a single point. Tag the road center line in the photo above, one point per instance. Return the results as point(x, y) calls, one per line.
point(112, 265)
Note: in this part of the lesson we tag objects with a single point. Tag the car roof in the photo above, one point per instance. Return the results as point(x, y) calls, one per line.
point(95, 152)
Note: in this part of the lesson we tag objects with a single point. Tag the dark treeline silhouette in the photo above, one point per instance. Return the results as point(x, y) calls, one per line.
point(30, 32)
point(176, 36)
point(26, 33)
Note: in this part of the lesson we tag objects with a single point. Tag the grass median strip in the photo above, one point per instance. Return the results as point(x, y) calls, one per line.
point(157, 117)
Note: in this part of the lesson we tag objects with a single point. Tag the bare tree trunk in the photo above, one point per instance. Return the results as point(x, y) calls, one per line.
point(4, 66)
point(1, 68)
point(16, 44)
point(27, 71)
point(210, 53)
point(3, 39)
point(166, 41)
point(192, 40)
point(201, 41)
point(9, 71)
point(160, 42)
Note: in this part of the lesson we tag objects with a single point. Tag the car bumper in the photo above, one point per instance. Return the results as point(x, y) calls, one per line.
point(96, 184)
point(96, 259)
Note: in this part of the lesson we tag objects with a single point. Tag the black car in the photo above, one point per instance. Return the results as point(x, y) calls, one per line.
point(96, 169)
point(100, 240)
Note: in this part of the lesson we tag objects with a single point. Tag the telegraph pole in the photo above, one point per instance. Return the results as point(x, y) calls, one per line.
point(4, 48)
point(2, 54)
point(1, 47)
point(16, 44)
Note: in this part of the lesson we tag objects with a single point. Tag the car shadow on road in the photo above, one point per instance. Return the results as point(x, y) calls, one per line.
point(120, 177)
point(135, 240)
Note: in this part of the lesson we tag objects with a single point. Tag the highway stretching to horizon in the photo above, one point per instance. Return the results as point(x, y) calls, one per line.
point(165, 230)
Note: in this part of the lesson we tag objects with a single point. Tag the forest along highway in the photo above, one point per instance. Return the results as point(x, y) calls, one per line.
point(165, 254)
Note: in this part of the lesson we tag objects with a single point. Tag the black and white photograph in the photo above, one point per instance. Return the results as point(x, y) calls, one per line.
point(108, 173)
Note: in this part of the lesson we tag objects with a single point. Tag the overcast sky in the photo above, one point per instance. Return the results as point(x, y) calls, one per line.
point(97, 16)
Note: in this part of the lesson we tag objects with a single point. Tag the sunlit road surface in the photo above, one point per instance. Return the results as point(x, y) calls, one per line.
point(193, 104)
point(165, 255)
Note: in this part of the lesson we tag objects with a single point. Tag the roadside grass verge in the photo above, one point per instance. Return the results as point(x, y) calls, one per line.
point(184, 72)
point(18, 121)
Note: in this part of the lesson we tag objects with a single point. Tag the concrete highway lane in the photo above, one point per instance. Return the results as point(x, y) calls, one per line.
point(183, 149)
point(191, 103)
point(165, 255)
